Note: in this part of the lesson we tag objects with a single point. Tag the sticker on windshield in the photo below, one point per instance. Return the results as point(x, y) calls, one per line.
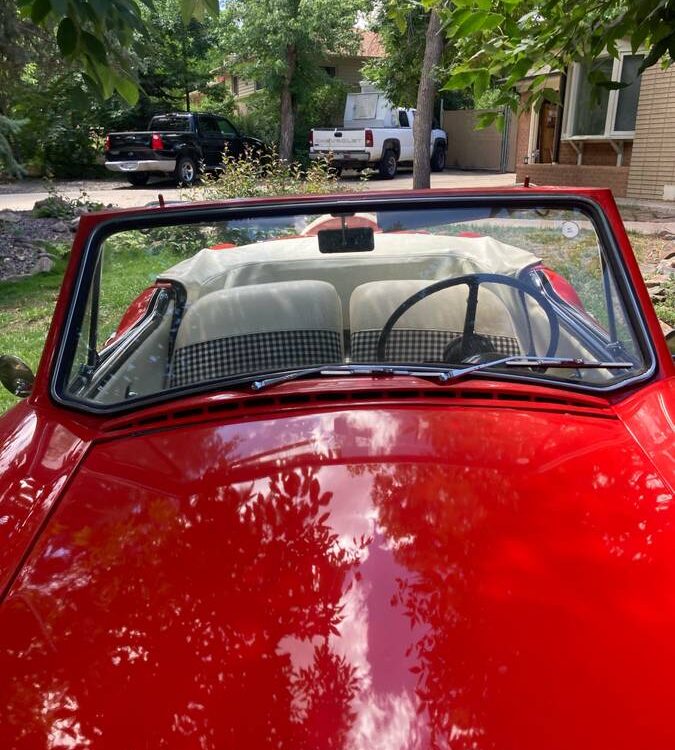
point(570, 229)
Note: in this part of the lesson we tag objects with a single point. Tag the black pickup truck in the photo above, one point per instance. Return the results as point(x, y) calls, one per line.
point(178, 144)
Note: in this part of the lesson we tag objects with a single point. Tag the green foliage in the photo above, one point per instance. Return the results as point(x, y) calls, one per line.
point(504, 40)
point(267, 175)
point(9, 129)
point(57, 206)
point(402, 27)
point(96, 36)
point(665, 309)
point(279, 43)
point(66, 115)
point(26, 309)
point(217, 99)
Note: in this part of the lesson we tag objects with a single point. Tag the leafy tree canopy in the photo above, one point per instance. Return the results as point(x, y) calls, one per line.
point(97, 35)
point(260, 32)
point(402, 27)
point(280, 43)
point(506, 40)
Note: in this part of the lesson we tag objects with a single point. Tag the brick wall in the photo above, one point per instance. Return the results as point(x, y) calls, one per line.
point(572, 175)
point(598, 169)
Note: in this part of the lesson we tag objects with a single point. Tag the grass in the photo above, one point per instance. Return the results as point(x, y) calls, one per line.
point(26, 309)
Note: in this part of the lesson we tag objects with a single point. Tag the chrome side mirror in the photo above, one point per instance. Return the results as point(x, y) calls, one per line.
point(16, 376)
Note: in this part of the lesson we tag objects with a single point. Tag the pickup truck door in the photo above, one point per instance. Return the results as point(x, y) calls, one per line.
point(216, 134)
point(231, 138)
point(405, 123)
point(211, 140)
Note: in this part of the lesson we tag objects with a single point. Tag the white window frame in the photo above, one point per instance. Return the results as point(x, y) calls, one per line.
point(571, 91)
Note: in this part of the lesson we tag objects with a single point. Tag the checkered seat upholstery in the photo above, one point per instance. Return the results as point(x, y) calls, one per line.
point(258, 328)
point(423, 333)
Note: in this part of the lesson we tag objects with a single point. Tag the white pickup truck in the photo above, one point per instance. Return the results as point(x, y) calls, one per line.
point(375, 134)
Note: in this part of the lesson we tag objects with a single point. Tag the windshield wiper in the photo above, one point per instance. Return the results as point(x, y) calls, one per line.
point(443, 374)
point(327, 370)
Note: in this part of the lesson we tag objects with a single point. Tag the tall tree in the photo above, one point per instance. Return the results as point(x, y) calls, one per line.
point(415, 45)
point(426, 94)
point(504, 40)
point(278, 43)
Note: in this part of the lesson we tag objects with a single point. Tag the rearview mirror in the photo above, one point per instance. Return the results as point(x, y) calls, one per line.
point(346, 240)
point(16, 376)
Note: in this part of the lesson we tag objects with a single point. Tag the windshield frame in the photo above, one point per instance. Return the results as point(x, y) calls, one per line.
point(175, 215)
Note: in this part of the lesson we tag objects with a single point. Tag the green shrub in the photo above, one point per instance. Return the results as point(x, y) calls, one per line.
point(268, 175)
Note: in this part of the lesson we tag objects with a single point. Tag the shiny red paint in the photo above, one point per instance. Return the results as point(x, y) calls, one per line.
point(135, 312)
point(408, 565)
point(355, 577)
point(563, 288)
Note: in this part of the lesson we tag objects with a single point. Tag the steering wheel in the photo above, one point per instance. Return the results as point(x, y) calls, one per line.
point(473, 281)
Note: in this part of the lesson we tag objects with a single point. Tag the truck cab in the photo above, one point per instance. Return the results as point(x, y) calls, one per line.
point(375, 134)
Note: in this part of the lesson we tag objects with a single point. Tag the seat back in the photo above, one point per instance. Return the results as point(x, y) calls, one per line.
point(424, 332)
point(258, 328)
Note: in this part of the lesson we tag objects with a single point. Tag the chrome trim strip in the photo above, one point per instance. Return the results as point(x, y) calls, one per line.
point(147, 165)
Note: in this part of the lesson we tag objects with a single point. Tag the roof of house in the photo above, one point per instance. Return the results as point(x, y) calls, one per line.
point(371, 45)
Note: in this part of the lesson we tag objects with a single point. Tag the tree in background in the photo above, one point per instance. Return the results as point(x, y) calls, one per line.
point(66, 114)
point(401, 26)
point(278, 43)
point(412, 38)
point(504, 40)
point(426, 94)
point(96, 36)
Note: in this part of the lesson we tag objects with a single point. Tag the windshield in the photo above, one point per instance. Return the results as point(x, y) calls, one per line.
point(213, 304)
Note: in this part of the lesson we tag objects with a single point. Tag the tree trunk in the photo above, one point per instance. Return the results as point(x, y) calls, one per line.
point(287, 107)
point(426, 94)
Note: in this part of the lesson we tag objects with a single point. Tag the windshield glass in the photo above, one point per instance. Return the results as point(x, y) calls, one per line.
point(202, 305)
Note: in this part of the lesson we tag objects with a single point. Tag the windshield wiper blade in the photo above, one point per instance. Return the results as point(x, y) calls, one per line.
point(352, 369)
point(435, 372)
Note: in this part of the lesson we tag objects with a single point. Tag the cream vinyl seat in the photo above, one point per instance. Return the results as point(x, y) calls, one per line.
point(424, 332)
point(258, 328)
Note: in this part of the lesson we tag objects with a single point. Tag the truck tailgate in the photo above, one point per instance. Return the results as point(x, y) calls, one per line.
point(338, 139)
point(130, 146)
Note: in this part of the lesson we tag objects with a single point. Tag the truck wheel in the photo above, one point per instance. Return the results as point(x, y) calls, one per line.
point(186, 171)
point(438, 159)
point(387, 166)
point(138, 179)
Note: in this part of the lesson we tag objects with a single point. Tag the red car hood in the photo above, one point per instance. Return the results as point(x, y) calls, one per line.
point(361, 578)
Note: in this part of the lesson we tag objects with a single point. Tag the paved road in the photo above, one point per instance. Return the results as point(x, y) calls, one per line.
point(22, 195)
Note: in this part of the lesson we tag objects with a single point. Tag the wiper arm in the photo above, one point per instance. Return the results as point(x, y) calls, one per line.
point(544, 363)
point(351, 369)
point(435, 372)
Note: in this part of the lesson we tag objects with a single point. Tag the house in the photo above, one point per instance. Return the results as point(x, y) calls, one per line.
point(622, 138)
point(346, 68)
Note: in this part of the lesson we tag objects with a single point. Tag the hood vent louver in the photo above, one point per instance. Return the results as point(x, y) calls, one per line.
point(253, 405)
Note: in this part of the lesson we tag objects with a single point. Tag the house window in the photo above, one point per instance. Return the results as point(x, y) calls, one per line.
point(235, 85)
point(258, 86)
point(329, 70)
point(597, 111)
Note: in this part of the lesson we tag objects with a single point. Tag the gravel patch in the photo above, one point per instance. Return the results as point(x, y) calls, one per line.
point(26, 242)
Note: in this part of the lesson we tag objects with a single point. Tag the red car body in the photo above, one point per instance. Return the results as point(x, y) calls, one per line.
point(172, 577)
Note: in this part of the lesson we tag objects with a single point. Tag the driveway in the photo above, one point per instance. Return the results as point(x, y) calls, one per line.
point(21, 196)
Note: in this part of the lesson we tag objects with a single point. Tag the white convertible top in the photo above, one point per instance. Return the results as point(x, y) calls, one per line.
point(396, 256)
